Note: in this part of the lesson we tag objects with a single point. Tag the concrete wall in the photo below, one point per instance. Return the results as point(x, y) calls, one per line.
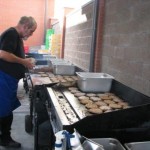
point(126, 43)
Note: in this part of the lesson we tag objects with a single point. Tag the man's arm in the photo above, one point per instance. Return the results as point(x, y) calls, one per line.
point(9, 57)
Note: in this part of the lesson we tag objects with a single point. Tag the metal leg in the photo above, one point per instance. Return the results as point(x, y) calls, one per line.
point(25, 84)
point(36, 132)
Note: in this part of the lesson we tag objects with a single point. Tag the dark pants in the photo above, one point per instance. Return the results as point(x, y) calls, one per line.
point(5, 127)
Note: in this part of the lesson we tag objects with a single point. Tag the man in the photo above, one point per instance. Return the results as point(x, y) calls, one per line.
point(12, 68)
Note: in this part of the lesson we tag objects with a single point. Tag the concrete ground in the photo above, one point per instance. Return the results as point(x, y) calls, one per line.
point(18, 127)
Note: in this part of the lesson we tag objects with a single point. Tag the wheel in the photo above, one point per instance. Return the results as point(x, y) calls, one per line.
point(28, 124)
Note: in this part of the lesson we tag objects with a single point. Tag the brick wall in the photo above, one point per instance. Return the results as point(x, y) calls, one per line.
point(12, 10)
point(126, 43)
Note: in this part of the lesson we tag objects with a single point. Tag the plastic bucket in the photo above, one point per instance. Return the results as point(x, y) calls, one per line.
point(26, 49)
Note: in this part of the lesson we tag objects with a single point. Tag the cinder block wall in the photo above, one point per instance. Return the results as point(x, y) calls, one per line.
point(78, 36)
point(12, 10)
point(126, 43)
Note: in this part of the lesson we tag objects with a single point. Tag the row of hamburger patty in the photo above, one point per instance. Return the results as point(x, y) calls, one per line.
point(97, 103)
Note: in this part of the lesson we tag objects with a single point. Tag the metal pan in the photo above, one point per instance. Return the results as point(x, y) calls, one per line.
point(90, 145)
point(138, 145)
point(109, 143)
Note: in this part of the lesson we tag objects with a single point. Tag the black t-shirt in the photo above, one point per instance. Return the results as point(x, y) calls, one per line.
point(10, 41)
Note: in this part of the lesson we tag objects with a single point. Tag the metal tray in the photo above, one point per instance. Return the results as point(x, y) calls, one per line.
point(64, 69)
point(90, 145)
point(138, 145)
point(109, 143)
point(49, 57)
point(94, 82)
point(60, 63)
point(41, 56)
point(57, 61)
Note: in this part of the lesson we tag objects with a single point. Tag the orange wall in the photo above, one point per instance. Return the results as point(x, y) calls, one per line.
point(12, 10)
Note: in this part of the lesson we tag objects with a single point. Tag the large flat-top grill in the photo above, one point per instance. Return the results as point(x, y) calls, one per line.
point(66, 113)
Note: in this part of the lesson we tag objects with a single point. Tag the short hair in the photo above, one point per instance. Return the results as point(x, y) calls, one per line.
point(29, 21)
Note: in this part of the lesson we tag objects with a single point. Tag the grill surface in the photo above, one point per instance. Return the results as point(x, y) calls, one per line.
point(120, 123)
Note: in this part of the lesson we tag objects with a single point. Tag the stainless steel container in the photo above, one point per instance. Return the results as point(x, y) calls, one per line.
point(56, 61)
point(90, 145)
point(64, 69)
point(49, 57)
point(94, 82)
point(109, 143)
point(60, 63)
point(138, 145)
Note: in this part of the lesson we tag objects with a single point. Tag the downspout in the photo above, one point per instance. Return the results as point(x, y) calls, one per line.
point(99, 37)
point(93, 43)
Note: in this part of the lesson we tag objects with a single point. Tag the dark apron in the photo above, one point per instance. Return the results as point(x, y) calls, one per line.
point(8, 94)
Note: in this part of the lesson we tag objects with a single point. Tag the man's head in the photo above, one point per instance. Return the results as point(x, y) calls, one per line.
point(26, 26)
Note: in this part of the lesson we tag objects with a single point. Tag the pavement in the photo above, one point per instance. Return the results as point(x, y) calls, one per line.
point(18, 126)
